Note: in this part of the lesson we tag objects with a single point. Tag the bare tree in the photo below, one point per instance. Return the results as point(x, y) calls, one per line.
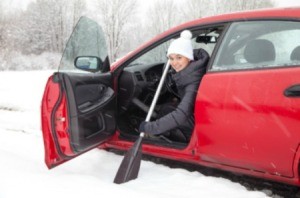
point(195, 9)
point(5, 23)
point(115, 16)
point(47, 24)
point(2, 26)
point(71, 13)
point(162, 15)
point(224, 6)
point(39, 28)
point(79, 7)
point(7, 42)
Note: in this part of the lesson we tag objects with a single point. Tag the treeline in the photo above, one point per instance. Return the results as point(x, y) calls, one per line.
point(45, 25)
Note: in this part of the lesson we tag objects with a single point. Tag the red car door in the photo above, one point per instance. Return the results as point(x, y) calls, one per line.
point(78, 105)
point(248, 107)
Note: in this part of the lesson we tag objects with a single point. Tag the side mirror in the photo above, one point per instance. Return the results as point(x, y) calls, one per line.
point(88, 63)
point(206, 39)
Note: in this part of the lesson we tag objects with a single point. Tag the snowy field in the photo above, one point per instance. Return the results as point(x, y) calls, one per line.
point(24, 174)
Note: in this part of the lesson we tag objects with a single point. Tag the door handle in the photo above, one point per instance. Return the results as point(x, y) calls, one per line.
point(292, 91)
point(101, 89)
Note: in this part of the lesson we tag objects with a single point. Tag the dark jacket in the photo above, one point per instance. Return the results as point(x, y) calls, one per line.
point(187, 82)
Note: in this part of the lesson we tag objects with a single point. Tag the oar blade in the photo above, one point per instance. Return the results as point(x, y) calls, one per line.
point(131, 163)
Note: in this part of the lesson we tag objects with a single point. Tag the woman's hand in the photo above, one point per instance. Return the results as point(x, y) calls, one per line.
point(142, 126)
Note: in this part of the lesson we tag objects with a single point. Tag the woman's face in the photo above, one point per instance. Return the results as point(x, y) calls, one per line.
point(178, 62)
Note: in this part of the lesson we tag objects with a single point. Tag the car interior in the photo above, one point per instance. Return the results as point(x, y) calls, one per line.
point(295, 55)
point(138, 82)
point(259, 50)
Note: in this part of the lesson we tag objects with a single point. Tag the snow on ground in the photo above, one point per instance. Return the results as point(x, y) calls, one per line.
point(24, 174)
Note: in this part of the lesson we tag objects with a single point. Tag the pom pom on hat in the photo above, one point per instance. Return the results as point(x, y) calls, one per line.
point(182, 45)
point(186, 34)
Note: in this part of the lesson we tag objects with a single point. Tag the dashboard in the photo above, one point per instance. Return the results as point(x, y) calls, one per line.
point(137, 83)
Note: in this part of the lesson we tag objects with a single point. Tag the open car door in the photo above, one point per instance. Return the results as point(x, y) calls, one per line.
point(79, 101)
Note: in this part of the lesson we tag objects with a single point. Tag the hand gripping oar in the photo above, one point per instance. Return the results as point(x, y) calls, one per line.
point(131, 162)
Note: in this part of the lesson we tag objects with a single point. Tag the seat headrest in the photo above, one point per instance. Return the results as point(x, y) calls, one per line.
point(200, 54)
point(259, 50)
point(295, 55)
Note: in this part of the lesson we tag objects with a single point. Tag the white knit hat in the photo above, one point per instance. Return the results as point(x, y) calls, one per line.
point(182, 45)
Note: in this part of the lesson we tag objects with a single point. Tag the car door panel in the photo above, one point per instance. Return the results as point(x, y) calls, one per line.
point(69, 128)
point(245, 120)
point(91, 102)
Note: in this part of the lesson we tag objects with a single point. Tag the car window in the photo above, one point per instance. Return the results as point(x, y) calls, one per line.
point(155, 55)
point(159, 53)
point(87, 39)
point(213, 33)
point(259, 44)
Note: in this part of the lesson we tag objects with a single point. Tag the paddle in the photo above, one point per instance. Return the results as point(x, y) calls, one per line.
point(131, 162)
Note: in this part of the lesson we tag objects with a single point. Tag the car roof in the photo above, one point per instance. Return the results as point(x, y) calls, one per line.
point(271, 13)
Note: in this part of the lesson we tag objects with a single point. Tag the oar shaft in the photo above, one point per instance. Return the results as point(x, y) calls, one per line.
point(160, 85)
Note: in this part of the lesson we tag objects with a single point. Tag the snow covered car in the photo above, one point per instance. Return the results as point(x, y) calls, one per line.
point(247, 109)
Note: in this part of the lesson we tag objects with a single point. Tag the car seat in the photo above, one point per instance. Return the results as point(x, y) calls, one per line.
point(295, 55)
point(259, 50)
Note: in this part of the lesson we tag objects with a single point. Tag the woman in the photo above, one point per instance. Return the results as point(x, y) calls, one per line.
point(178, 124)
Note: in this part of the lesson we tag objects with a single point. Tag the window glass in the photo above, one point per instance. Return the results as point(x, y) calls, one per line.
point(259, 44)
point(212, 35)
point(159, 53)
point(87, 39)
point(155, 55)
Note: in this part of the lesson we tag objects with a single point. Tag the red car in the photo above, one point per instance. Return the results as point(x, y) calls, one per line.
point(247, 110)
